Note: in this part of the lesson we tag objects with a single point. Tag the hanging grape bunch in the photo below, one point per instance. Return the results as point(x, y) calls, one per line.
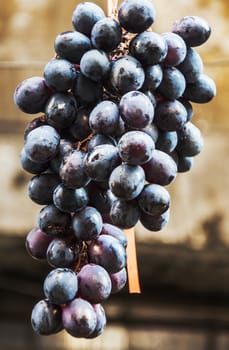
point(116, 127)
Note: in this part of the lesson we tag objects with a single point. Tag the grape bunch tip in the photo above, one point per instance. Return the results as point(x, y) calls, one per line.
point(115, 128)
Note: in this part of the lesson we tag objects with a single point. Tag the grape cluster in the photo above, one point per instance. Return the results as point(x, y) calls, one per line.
point(115, 129)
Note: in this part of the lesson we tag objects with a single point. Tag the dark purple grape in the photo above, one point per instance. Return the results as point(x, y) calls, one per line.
point(37, 243)
point(190, 140)
point(101, 161)
point(127, 181)
point(94, 283)
point(135, 147)
point(72, 45)
point(154, 199)
point(46, 318)
point(136, 16)
point(108, 252)
point(152, 131)
point(161, 169)
point(124, 214)
point(31, 95)
point(63, 253)
point(65, 147)
point(61, 110)
point(192, 66)
point(170, 115)
point(86, 90)
point(41, 187)
point(136, 109)
point(184, 163)
point(80, 129)
point(126, 74)
point(31, 166)
point(104, 118)
point(106, 34)
point(100, 198)
point(118, 280)
point(79, 318)
point(72, 170)
point(101, 321)
point(85, 15)
point(173, 83)
point(60, 286)
point(156, 222)
point(87, 224)
point(116, 232)
point(95, 65)
point(149, 48)
point(33, 124)
point(176, 49)
point(60, 75)
point(100, 139)
point(193, 29)
point(42, 144)
point(70, 199)
point(153, 77)
point(202, 90)
point(167, 141)
point(54, 222)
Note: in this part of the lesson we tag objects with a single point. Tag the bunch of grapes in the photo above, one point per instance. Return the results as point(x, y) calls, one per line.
point(115, 129)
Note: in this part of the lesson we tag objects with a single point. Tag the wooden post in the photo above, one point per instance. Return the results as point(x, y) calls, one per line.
point(132, 264)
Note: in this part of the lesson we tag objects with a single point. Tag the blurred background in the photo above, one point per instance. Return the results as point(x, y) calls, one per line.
point(184, 269)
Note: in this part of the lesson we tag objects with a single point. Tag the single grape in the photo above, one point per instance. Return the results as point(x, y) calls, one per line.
point(167, 141)
point(192, 65)
point(61, 110)
point(60, 75)
point(86, 91)
point(87, 224)
point(118, 280)
point(101, 321)
point(136, 16)
point(30, 166)
point(95, 65)
point(170, 115)
point(184, 163)
point(42, 144)
point(135, 147)
point(72, 45)
point(46, 318)
point(193, 29)
point(154, 199)
point(85, 15)
point(156, 222)
point(104, 118)
point(37, 243)
point(161, 169)
point(202, 90)
point(72, 170)
point(153, 77)
point(108, 252)
point(136, 109)
point(127, 181)
point(126, 74)
point(124, 214)
point(80, 128)
point(116, 232)
point(70, 199)
point(149, 48)
point(176, 49)
point(94, 283)
point(63, 252)
point(106, 34)
point(54, 222)
point(79, 318)
point(101, 161)
point(173, 83)
point(190, 140)
point(60, 285)
point(41, 187)
point(31, 95)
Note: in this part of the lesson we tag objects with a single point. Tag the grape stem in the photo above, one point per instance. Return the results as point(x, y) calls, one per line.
point(112, 8)
point(82, 257)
